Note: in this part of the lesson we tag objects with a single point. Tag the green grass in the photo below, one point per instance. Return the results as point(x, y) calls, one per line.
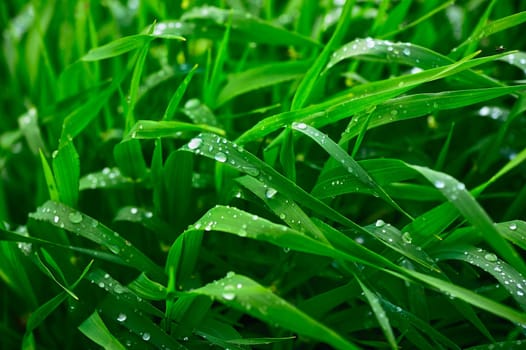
point(263, 175)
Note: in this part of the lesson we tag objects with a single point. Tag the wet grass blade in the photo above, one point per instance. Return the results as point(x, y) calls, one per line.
point(248, 296)
point(418, 105)
point(62, 216)
point(94, 328)
point(347, 162)
point(224, 151)
point(464, 202)
point(149, 129)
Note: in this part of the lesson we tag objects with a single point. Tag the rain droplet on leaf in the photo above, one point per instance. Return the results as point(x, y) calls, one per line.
point(75, 217)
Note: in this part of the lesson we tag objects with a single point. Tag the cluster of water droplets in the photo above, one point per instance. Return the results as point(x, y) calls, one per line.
point(107, 177)
point(494, 112)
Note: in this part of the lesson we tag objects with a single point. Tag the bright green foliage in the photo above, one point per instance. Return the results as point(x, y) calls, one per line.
point(263, 174)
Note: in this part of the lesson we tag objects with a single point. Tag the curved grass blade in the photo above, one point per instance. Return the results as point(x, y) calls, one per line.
point(178, 95)
point(285, 208)
point(310, 79)
point(148, 289)
point(123, 45)
point(106, 178)
point(94, 328)
point(507, 276)
point(246, 295)
point(62, 216)
point(104, 281)
point(472, 298)
point(141, 325)
point(224, 151)
point(128, 156)
point(379, 312)
point(358, 99)
point(66, 168)
point(402, 243)
point(149, 129)
point(466, 204)
point(260, 77)
point(414, 106)
point(342, 157)
point(250, 28)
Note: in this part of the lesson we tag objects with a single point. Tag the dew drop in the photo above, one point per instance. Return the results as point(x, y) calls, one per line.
point(513, 226)
point(56, 219)
point(228, 292)
point(134, 211)
point(146, 336)
point(220, 157)
point(270, 192)
point(490, 257)
point(75, 217)
point(195, 143)
point(122, 317)
point(301, 126)
point(406, 51)
point(406, 236)
point(461, 186)
point(439, 184)
point(379, 223)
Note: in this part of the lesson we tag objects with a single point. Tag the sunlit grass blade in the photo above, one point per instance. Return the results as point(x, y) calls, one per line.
point(94, 328)
point(49, 178)
point(149, 129)
point(261, 77)
point(28, 125)
point(507, 276)
point(117, 47)
point(346, 161)
point(67, 218)
point(248, 296)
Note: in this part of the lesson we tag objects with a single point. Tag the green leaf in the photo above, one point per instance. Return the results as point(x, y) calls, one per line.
point(129, 158)
point(149, 129)
point(246, 295)
point(178, 95)
point(94, 328)
point(66, 167)
point(117, 47)
point(507, 276)
point(346, 161)
point(260, 77)
point(62, 216)
point(247, 27)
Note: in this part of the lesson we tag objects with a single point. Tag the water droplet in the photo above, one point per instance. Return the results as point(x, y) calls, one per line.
point(439, 184)
point(122, 317)
point(301, 126)
point(461, 186)
point(251, 171)
point(270, 192)
point(282, 216)
point(491, 257)
point(146, 336)
point(56, 219)
point(406, 236)
point(513, 226)
point(195, 143)
point(228, 292)
point(75, 217)
point(134, 211)
point(379, 223)
point(406, 51)
point(220, 157)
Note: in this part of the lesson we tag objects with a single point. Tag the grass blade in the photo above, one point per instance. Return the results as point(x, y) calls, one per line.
point(246, 295)
point(94, 328)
